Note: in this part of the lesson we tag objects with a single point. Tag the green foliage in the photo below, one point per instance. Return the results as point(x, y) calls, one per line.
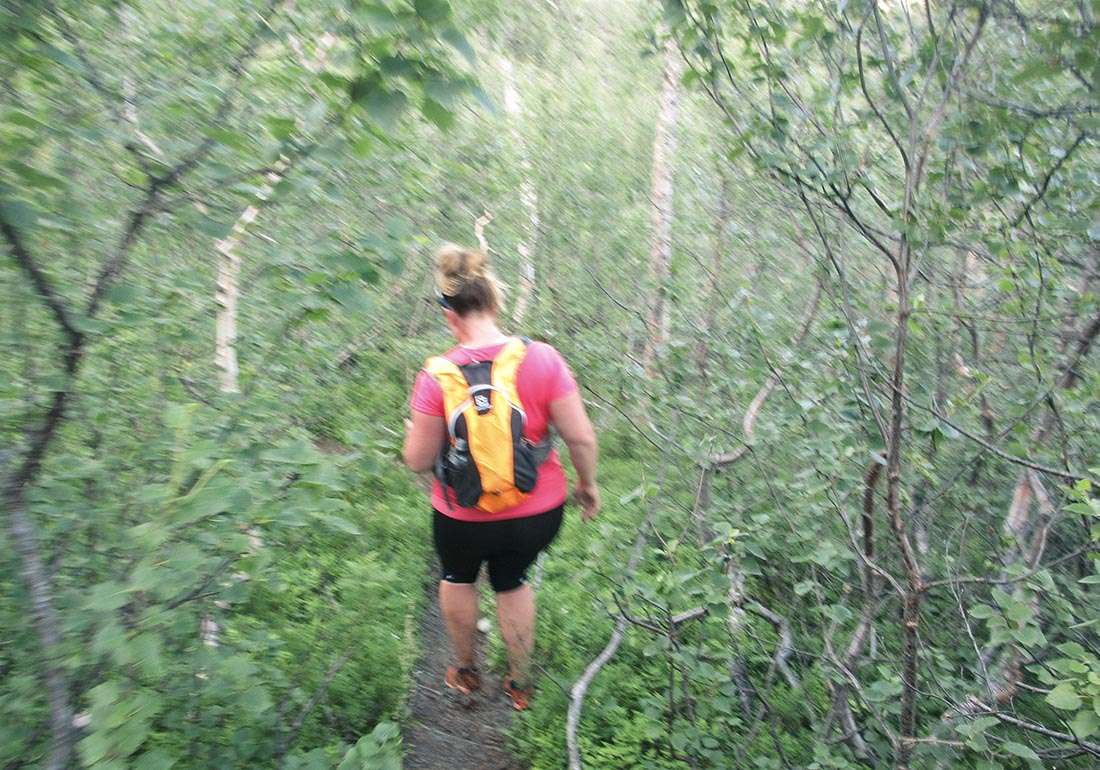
point(238, 577)
point(380, 749)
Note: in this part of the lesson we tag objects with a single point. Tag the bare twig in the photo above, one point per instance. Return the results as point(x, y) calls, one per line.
point(580, 687)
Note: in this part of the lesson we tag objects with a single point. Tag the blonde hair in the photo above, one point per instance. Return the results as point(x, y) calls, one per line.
point(465, 280)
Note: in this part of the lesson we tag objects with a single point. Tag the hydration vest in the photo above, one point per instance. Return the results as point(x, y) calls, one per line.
point(487, 462)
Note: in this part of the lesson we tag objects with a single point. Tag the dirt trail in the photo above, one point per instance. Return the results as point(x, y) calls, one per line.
point(447, 731)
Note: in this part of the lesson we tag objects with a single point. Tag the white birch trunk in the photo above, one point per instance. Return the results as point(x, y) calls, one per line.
point(528, 195)
point(660, 250)
point(229, 264)
point(229, 269)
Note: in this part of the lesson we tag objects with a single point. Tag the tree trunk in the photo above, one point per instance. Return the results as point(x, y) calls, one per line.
point(660, 248)
point(528, 195)
point(722, 221)
point(914, 588)
point(229, 269)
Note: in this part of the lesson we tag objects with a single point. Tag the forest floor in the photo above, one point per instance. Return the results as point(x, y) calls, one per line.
point(446, 730)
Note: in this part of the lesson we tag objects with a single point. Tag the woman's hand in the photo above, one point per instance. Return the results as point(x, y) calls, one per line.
point(587, 496)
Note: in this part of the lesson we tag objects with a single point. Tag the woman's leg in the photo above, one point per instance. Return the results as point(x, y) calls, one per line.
point(516, 614)
point(515, 599)
point(458, 605)
point(458, 546)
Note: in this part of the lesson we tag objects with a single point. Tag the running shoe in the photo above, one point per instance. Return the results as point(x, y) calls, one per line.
point(465, 680)
point(521, 696)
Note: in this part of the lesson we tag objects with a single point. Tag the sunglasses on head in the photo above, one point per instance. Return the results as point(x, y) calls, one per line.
point(442, 300)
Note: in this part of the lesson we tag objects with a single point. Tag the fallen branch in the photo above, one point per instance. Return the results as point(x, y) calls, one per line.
point(286, 743)
point(580, 687)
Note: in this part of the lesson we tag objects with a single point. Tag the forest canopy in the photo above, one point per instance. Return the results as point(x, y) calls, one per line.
point(827, 273)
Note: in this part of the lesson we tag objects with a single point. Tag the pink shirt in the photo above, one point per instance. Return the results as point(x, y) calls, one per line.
point(543, 376)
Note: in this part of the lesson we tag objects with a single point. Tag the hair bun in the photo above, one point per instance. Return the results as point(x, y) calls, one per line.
point(458, 266)
point(465, 278)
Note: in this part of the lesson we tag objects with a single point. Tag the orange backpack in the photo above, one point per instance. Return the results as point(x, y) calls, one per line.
point(487, 462)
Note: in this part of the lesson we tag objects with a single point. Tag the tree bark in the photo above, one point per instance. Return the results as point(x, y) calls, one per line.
point(721, 224)
point(227, 292)
point(528, 195)
point(660, 248)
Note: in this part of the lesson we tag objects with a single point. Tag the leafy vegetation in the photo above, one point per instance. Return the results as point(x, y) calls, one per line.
point(845, 381)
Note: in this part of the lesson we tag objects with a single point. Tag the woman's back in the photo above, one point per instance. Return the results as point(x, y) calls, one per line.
point(542, 378)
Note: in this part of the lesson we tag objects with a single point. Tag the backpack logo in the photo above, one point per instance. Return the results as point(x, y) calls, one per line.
point(481, 402)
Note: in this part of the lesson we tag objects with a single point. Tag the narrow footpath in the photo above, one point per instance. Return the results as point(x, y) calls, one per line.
point(445, 730)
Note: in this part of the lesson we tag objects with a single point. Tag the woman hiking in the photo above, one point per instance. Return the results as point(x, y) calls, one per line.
point(481, 415)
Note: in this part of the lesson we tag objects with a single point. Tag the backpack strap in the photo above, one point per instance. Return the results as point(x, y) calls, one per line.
point(506, 367)
point(505, 376)
point(452, 381)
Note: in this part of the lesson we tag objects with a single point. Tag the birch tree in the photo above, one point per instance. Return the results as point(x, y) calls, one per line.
point(528, 194)
point(661, 195)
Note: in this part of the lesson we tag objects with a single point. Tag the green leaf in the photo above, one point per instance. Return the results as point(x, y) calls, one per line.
point(1072, 649)
point(447, 92)
point(233, 139)
point(804, 587)
point(122, 294)
point(981, 611)
point(1020, 750)
point(18, 213)
point(215, 228)
point(458, 40)
point(352, 297)
point(35, 178)
point(157, 759)
point(104, 597)
point(255, 700)
point(1019, 612)
point(432, 11)
point(340, 523)
point(23, 120)
point(1064, 697)
point(325, 475)
point(484, 99)
point(1085, 724)
point(215, 497)
point(981, 724)
point(1029, 636)
point(281, 128)
point(438, 114)
point(297, 453)
point(632, 495)
point(385, 107)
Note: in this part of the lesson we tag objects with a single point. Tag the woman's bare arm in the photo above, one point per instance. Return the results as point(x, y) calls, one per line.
point(569, 418)
point(423, 440)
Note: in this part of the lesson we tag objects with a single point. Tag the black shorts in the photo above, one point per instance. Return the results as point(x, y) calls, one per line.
point(510, 546)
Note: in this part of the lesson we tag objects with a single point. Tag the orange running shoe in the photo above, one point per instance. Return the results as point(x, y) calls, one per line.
point(465, 680)
point(521, 696)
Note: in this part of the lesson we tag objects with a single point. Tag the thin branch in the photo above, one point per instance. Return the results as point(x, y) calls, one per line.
point(40, 280)
point(786, 641)
point(748, 422)
point(1008, 719)
point(1046, 180)
point(287, 742)
point(1068, 475)
point(974, 580)
point(580, 687)
point(198, 590)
